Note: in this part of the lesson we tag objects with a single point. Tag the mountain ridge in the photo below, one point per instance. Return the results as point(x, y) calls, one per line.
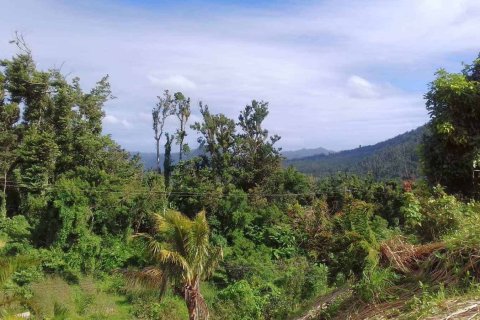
point(396, 157)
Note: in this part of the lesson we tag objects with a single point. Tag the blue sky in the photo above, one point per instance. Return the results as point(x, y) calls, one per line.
point(337, 74)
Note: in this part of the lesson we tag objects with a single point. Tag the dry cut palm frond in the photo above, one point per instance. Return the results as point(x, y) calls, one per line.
point(436, 262)
point(151, 278)
point(405, 257)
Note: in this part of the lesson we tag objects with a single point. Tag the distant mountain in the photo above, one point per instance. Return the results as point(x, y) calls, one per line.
point(303, 153)
point(394, 158)
point(149, 159)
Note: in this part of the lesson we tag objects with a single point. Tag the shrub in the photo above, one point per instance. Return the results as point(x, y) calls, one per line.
point(434, 215)
point(18, 231)
point(240, 301)
point(375, 284)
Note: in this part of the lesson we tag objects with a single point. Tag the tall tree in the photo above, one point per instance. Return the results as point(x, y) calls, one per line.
point(183, 113)
point(218, 136)
point(37, 155)
point(451, 147)
point(25, 84)
point(58, 137)
point(9, 116)
point(167, 161)
point(164, 108)
point(182, 256)
point(256, 156)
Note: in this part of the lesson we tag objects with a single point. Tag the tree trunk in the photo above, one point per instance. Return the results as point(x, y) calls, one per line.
point(159, 169)
point(3, 206)
point(3, 198)
point(191, 299)
point(5, 182)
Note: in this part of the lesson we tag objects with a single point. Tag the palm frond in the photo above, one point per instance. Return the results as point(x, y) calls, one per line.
point(152, 245)
point(215, 256)
point(173, 258)
point(198, 239)
point(152, 278)
point(182, 253)
point(174, 226)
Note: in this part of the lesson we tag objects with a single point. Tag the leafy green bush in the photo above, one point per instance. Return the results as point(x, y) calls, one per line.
point(467, 234)
point(375, 284)
point(240, 301)
point(298, 282)
point(434, 215)
point(316, 281)
point(17, 231)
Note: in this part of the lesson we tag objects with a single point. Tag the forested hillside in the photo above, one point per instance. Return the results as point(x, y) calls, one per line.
point(394, 158)
point(302, 153)
point(87, 233)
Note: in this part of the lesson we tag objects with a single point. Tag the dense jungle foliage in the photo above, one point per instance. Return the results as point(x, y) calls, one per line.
point(86, 232)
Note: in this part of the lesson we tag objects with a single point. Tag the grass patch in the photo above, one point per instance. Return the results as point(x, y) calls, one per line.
point(54, 298)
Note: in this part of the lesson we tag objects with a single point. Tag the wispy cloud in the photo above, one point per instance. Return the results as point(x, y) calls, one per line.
point(111, 119)
point(362, 88)
point(336, 73)
point(176, 82)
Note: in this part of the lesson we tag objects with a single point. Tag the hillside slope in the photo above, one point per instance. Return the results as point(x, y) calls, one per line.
point(393, 158)
point(303, 153)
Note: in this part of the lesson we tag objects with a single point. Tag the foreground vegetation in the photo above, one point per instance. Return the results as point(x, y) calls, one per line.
point(87, 233)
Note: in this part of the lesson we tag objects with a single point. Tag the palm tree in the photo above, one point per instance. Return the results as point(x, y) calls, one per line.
point(182, 256)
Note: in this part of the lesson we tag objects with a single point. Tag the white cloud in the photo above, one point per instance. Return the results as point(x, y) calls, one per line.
point(111, 119)
point(175, 83)
point(362, 88)
point(312, 61)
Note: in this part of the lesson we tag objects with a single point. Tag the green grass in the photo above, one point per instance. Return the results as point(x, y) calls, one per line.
point(441, 301)
point(54, 298)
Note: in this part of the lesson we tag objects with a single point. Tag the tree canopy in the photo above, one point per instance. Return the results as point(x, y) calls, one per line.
point(451, 148)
